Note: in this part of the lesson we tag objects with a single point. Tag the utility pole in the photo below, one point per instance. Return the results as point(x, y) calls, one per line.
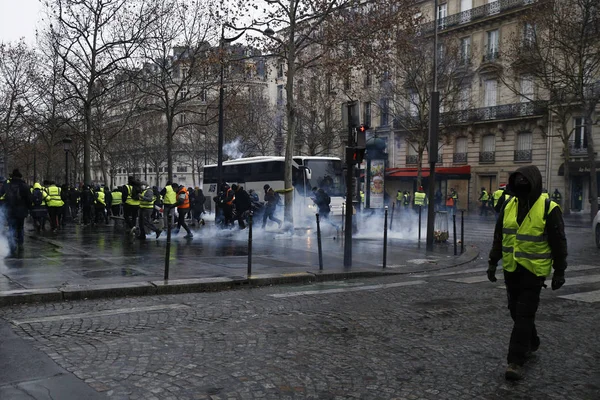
point(352, 123)
point(434, 115)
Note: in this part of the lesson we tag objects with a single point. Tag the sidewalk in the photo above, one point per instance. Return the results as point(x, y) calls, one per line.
point(79, 263)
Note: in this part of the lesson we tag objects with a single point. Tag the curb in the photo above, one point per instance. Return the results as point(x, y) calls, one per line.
point(195, 285)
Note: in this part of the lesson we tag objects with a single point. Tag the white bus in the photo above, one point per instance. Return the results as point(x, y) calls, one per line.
point(308, 172)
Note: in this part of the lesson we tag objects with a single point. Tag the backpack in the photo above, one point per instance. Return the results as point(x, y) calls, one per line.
point(148, 196)
point(13, 195)
point(277, 198)
point(37, 198)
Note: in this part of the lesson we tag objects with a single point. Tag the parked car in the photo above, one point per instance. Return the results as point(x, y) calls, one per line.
point(596, 229)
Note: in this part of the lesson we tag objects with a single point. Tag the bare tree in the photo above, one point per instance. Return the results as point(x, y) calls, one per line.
point(558, 48)
point(94, 39)
point(180, 66)
point(17, 66)
point(309, 31)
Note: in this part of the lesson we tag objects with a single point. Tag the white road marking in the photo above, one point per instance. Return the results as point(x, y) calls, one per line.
point(580, 280)
point(586, 297)
point(100, 313)
point(470, 279)
point(350, 289)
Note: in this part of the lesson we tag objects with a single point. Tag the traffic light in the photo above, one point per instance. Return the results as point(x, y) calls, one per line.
point(361, 136)
point(359, 155)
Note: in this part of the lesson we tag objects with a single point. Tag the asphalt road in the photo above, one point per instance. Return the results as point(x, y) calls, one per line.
point(438, 335)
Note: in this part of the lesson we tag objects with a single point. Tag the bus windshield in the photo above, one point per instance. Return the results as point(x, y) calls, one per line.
point(327, 175)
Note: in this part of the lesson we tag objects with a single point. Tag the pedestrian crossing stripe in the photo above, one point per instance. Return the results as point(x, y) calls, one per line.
point(586, 297)
point(344, 290)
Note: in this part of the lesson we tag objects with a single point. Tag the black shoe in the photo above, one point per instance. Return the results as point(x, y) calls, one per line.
point(513, 372)
point(158, 232)
point(188, 236)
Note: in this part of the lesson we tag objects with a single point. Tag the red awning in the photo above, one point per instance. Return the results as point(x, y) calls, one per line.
point(412, 172)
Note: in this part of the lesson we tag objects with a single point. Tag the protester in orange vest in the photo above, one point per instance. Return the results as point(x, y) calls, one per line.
point(183, 208)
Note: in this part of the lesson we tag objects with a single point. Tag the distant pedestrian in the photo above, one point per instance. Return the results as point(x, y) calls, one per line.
point(17, 202)
point(116, 203)
point(39, 210)
point(271, 201)
point(243, 205)
point(438, 200)
point(147, 199)
point(530, 240)
point(183, 208)
point(420, 199)
point(483, 199)
point(131, 196)
point(557, 197)
point(55, 205)
point(197, 200)
point(87, 204)
point(169, 200)
point(322, 200)
point(100, 206)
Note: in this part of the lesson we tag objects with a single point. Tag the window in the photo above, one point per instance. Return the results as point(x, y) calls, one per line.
point(492, 45)
point(181, 169)
point(488, 149)
point(465, 98)
point(280, 70)
point(385, 112)
point(441, 15)
point(413, 101)
point(412, 156)
point(527, 94)
point(368, 79)
point(182, 119)
point(465, 50)
point(203, 95)
point(347, 84)
point(465, 10)
point(494, 6)
point(441, 51)
point(579, 141)
point(528, 34)
point(367, 113)
point(524, 146)
point(460, 151)
point(490, 96)
point(279, 94)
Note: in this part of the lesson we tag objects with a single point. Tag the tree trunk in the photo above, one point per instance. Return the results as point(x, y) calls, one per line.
point(566, 204)
point(291, 122)
point(193, 172)
point(87, 142)
point(420, 169)
point(103, 167)
point(592, 163)
point(169, 148)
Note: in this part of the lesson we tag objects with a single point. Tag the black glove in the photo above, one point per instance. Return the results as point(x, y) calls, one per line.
point(558, 279)
point(491, 273)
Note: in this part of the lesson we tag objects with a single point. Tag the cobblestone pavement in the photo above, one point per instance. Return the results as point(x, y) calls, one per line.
point(433, 336)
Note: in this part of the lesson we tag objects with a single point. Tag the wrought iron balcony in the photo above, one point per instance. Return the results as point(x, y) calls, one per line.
point(487, 157)
point(459, 158)
point(505, 111)
point(491, 56)
point(412, 159)
point(474, 14)
point(522, 155)
point(578, 148)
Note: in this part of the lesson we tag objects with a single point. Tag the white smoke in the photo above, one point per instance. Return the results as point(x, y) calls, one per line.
point(232, 149)
point(4, 240)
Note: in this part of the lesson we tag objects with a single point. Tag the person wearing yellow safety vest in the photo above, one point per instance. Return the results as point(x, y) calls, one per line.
point(131, 198)
point(484, 197)
point(169, 196)
point(420, 199)
point(55, 205)
point(117, 201)
point(498, 198)
point(100, 206)
point(399, 199)
point(530, 240)
point(147, 200)
point(39, 210)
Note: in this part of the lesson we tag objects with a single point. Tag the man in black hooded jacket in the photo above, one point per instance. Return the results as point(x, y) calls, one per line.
point(530, 240)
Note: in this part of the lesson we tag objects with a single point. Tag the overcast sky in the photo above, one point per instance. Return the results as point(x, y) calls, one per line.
point(18, 18)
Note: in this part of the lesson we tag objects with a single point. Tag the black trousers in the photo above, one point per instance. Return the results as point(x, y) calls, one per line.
point(523, 290)
point(146, 222)
point(54, 216)
point(183, 212)
point(130, 214)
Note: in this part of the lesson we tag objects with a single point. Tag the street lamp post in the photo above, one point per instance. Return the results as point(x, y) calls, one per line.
point(67, 145)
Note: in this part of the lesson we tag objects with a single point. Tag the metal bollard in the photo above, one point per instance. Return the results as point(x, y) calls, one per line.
point(385, 229)
point(462, 231)
point(319, 243)
point(392, 216)
point(343, 209)
point(168, 252)
point(454, 231)
point(250, 245)
point(420, 208)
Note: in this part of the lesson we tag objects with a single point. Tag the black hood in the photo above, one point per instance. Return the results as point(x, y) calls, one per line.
point(533, 175)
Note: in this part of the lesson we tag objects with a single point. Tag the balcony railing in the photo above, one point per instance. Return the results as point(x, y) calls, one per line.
point(459, 158)
point(487, 157)
point(474, 14)
point(412, 159)
point(522, 155)
point(505, 111)
point(578, 148)
point(491, 56)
